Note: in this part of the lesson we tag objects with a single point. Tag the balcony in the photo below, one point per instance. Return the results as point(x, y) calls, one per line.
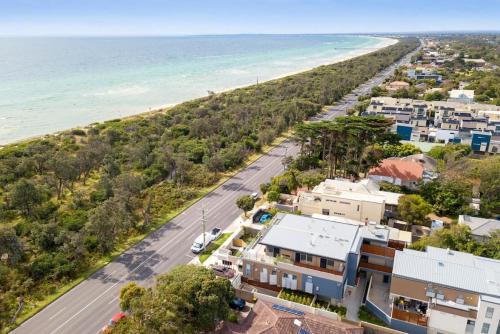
point(408, 316)
point(325, 270)
point(378, 250)
point(376, 267)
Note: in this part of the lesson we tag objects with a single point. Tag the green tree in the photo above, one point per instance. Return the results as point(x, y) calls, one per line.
point(311, 178)
point(273, 196)
point(414, 209)
point(11, 248)
point(245, 203)
point(25, 196)
point(130, 293)
point(189, 299)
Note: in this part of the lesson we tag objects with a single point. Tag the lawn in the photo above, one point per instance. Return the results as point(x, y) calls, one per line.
point(213, 247)
point(365, 314)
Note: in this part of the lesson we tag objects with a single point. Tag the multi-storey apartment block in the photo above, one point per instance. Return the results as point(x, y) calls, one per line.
point(441, 291)
point(319, 256)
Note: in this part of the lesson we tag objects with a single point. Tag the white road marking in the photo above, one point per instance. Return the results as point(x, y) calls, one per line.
point(57, 313)
point(113, 300)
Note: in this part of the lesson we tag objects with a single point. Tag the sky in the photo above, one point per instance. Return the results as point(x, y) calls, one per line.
point(194, 17)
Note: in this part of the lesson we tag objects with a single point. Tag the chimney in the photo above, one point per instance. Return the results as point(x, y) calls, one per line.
point(366, 221)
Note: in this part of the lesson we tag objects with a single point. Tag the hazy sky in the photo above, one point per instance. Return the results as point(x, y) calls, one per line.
point(179, 17)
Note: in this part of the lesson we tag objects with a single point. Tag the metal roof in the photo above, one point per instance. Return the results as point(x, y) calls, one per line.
point(449, 268)
point(325, 238)
point(480, 226)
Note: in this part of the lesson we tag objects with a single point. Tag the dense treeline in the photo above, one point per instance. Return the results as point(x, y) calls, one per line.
point(345, 146)
point(68, 199)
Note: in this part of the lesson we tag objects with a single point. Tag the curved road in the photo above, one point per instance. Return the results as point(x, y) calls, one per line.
point(89, 306)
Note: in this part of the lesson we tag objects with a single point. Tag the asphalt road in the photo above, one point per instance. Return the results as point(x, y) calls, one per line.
point(89, 306)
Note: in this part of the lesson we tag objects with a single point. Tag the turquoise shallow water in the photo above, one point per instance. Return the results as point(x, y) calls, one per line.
point(51, 84)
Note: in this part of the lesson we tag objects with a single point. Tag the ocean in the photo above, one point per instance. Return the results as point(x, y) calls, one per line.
point(52, 84)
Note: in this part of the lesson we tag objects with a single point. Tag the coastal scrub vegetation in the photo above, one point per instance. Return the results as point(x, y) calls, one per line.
point(69, 200)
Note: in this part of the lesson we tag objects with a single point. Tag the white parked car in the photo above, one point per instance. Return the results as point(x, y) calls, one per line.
point(215, 233)
point(198, 245)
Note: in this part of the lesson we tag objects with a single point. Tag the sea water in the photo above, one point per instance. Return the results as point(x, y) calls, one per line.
point(52, 84)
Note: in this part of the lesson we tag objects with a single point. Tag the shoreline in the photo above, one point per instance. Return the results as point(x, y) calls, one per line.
point(383, 43)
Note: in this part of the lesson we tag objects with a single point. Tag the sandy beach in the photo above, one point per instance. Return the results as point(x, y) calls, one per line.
point(383, 42)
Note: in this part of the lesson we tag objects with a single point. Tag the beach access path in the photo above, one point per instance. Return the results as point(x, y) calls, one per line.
point(89, 306)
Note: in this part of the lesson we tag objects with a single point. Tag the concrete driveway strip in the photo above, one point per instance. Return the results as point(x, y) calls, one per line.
point(89, 306)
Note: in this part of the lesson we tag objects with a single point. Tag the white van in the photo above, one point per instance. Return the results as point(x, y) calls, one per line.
point(198, 245)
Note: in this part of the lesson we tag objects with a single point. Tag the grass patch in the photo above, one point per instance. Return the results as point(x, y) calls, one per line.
point(213, 247)
point(366, 315)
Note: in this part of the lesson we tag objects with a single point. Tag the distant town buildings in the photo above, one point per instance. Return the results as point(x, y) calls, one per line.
point(475, 124)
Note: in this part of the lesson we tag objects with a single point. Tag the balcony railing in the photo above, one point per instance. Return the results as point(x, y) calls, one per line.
point(378, 250)
point(377, 267)
point(410, 317)
point(325, 270)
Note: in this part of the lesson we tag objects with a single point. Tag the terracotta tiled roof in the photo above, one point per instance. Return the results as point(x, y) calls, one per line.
point(263, 319)
point(400, 169)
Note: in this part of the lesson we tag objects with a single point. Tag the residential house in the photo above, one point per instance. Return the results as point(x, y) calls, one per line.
point(480, 227)
point(461, 95)
point(360, 201)
point(268, 318)
point(397, 85)
point(398, 172)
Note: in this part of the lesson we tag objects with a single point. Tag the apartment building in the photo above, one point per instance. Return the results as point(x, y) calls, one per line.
point(362, 201)
point(441, 291)
point(320, 256)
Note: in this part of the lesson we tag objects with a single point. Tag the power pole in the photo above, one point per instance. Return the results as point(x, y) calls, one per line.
point(203, 221)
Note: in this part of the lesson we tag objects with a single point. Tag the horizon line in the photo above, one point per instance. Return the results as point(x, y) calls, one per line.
point(386, 33)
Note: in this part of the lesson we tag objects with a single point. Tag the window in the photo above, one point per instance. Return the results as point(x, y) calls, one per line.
point(460, 299)
point(330, 263)
point(248, 269)
point(440, 295)
point(358, 207)
point(341, 202)
point(486, 328)
point(325, 212)
point(489, 312)
point(430, 293)
point(305, 257)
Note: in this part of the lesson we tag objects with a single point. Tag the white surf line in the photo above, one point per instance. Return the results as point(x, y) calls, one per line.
point(142, 263)
point(57, 313)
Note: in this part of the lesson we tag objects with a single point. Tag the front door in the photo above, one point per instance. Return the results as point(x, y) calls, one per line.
point(322, 263)
point(297, 257)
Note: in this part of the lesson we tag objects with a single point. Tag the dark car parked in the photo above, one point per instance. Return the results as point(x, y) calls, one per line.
point(223, 271)
point(237, 304)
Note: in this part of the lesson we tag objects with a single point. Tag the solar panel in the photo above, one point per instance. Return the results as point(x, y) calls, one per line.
point(303, 331)
point(287, 309)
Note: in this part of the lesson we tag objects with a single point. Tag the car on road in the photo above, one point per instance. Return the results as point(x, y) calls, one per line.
point(198, 245)
point(255, 196)
point(116, 319)
point(237, 304)
point(215, 233)
point(223, 271)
